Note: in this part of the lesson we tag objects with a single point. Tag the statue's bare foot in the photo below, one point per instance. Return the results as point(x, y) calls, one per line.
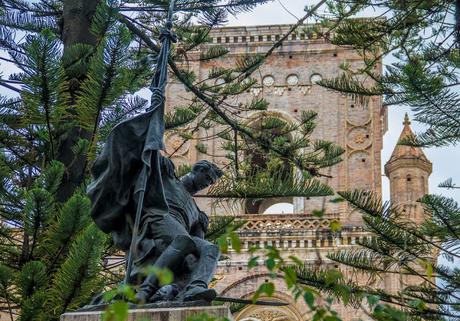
point(199, 293)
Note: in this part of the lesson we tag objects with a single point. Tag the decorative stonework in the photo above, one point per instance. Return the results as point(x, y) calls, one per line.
point(268, 81)
point(292, 80)
point(315, 78)
point(358, 114)
point(157, 314)
point(270, 315)
point(279, 222)
point(255, 91)
point(359, 138)
point(304, 89)
point(360, 169)
point(279, 90)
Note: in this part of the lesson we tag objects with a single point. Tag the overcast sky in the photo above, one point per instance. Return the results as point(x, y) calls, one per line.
point(446, 161)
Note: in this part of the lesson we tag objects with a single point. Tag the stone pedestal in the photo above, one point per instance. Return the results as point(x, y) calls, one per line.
point(158, 314)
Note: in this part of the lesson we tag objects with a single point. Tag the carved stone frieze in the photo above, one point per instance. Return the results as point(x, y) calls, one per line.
point(255, 91)
point(279, 90)
point(358, 114)
point(304, 89)
point(270, 315)
point(262, 223)
point(359, 137)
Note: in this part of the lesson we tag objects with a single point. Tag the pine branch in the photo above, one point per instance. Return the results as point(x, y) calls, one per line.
point(76, 280)
point(448, 184)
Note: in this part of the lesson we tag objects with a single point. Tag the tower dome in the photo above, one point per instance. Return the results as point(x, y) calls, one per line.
point(408, 170)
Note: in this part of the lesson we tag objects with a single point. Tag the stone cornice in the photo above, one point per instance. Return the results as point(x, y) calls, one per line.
point(408, 162)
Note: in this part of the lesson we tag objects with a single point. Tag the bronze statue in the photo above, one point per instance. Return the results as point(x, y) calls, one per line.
point(180, 234)
point(165, 239)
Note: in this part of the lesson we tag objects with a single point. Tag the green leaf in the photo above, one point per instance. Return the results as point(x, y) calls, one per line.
point(33, 277)
point(317, 213)
point(32, 307)
point(202, 148)
point(117, 311)
point(76, 280)
point(418, 304)
point(222, 242)
point(335, 226)
point(164, 275)
point(337, 200)
point(296, 260)
point(428, 267)
point(268, 288)
point(120, 310)
point(236, 242)
point(309, 298)
point(372, 300)
point(270, 263)
point(109, 295)
point(290, 277)
point(6, 276)
point(253, 262)
point(332, 276)
point(126, 291)
point(51, 177)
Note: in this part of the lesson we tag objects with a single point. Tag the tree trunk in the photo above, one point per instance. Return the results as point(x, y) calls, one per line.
point(77, 16)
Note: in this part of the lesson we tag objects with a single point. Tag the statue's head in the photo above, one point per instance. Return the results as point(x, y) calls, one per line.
point(205, 173)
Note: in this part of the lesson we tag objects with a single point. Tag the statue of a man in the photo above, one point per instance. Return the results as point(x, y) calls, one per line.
point(182, 231)
point(166, 239)
point(134, 188)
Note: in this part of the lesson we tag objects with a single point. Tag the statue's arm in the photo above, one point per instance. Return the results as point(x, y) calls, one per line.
point(200, 229)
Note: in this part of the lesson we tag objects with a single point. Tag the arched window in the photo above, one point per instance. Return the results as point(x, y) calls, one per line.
point(280, 208)
point(269, 126)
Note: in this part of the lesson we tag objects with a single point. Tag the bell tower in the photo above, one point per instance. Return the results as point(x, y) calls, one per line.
point(408, 170)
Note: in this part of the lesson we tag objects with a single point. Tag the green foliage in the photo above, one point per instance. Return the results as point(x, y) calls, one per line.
point(214, 52)
point(56, 261)
point(32, 278)
point(104, 81)
point(165, 276)
point(281, 161)
point(76, 280)
point(220, 224)
point(424, 75)
point(181, 116)
point(265, 184)
point(401, 250)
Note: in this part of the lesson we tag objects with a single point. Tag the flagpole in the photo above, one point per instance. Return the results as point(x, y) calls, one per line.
point(158, 90)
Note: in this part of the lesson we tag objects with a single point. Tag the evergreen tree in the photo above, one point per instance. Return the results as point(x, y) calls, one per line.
point(423, 38)
point(81, 63)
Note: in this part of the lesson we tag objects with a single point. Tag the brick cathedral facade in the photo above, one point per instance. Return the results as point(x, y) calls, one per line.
point(288, 81)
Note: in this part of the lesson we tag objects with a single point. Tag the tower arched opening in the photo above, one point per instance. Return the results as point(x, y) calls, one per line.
point(269, 126)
